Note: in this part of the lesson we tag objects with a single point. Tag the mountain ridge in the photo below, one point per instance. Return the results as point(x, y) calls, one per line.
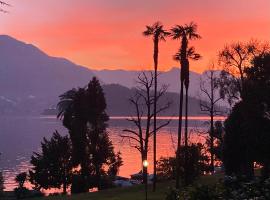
point(31, 80)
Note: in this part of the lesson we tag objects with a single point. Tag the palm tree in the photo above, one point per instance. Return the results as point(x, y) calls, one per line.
point(157, 32)
point(72, 110)
point(184, 33)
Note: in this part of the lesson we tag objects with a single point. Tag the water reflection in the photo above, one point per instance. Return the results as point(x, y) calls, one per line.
point(20, 136)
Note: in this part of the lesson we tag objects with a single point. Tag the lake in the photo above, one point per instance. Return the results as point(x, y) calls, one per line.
point(21, 136)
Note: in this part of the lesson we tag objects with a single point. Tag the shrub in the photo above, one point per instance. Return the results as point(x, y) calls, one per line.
point(1, 183)
point(173, 194)
point(79, 184)
point(231, 188)
point(240, 188)
point(202, 192)
point(197, 164)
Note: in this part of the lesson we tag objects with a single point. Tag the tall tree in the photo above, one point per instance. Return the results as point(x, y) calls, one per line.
point(143, 103)
point(209, 99)
point(184, 33)
point(235, 58)
point(247, 128)
point(52, 167)
point(157, 32)
point(83, 113)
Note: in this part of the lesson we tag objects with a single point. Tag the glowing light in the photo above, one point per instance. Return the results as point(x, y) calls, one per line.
point(145, 163)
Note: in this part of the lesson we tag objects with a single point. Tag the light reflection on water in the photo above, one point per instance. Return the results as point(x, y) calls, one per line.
point(20, 136)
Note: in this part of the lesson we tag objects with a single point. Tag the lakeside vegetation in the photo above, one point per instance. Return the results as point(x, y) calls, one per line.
point(86, 159)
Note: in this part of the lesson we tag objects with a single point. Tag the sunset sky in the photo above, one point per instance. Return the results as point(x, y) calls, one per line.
point(107, 34)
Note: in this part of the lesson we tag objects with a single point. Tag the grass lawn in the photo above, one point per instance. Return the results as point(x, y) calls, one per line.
point(131, 193)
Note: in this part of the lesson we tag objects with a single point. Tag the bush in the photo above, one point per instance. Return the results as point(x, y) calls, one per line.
point(79, 184)
point(202, 192)
point(21, 178)
point(1, 183)
point(173, 194)
point(231, 188)
point(197, 164)
point(239, 188)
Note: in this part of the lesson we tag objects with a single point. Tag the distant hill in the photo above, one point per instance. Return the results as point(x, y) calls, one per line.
point(31, 81)
point(118, 104)
point(171, 78)
point(117, 98)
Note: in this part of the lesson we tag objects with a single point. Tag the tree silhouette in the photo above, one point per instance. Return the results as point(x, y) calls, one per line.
point(247, 128)
point(52, 168)
point(157, 32)
point(143, 103)
point(235, 59)
point(184, 33)
point(209, 99)
point(83, 113)
point(21, 178)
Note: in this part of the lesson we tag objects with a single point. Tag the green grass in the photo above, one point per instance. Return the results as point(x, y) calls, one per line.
point(131, 193)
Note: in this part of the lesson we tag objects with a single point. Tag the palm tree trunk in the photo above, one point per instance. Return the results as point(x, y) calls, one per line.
point(179, 136)
point(186, 137)
point(155, 115)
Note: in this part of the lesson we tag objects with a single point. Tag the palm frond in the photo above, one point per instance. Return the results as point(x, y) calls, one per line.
point(177, 56)
point(66, 102)
point(157, 31)
point(177, 32)
point(192, 55)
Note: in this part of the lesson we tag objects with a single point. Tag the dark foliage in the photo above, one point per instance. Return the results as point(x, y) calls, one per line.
point(83, 113)
point(218, 137)
point(1, 183)
point(236, 59)
point(197, 164)
point(21, 178)
point(247, 128)
point(229, 188)
point(79, 184)
point(52, 167)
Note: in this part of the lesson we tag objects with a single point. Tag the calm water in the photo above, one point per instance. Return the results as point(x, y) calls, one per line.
point(20, 136)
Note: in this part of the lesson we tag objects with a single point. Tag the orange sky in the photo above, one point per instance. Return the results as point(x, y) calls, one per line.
point(106, 34)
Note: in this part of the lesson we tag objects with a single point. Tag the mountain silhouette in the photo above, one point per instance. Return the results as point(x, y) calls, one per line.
point(25, 70)
point(170, 78)
point(31, 81)
point(29, 75)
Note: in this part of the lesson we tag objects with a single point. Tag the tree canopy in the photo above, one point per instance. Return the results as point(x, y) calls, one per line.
point(83, 112)
point(247, 128)
point(52, 167)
